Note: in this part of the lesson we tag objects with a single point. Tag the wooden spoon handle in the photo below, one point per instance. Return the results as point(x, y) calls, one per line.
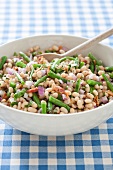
point(87, 44)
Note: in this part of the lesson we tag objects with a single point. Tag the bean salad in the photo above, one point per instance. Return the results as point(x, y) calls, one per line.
point(71, 84)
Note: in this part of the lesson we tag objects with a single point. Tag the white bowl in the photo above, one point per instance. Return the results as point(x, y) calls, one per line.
point(44, 124)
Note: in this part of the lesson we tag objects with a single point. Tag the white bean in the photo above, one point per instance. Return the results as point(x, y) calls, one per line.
point(61, 51)
point(68, 92)
point(83, 68)
point(55, 48)
point(75, 94)
point(39, 74)
point(46, 94)
point(76, 99)
point(88, 100)
point(54, 95)
point(89, 105)
point(89, 95)
point(72, 110)
point(64, 110)
point(80, 104)
point(19, 105)
point(31, 109)
point(34, 105)
point(10, 90)
point(100, 72)
point(95, 92)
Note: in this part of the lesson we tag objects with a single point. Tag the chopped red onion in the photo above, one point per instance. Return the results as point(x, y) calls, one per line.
point(11, 99)
point(41, 91)
point(0, 98)
point(23, 70)
point(70, 83)
point(31, 57)
point(104, 100)
point(60, 81)
point(18, 90)
point(81, 91)
point(73, 76)
point(98, 78)
point(91, 76)
point(16, 59)
point(64, 97)
point(9, 71)
point(26, 95)
point(31, 63)
point(43, 72)
point(29, 83)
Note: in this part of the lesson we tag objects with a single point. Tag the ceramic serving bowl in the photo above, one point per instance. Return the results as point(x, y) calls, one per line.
point(50, 124)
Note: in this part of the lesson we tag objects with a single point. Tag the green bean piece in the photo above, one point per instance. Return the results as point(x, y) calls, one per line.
point(3, 60)
point(75, 56)
point(71, 58)
point(13, 103)
point(15, 54)
point(53, 75)
point(20, 64)
point(105, 77)
point(67, 58)
point(109, 68)
point(81, 64)
point(25, 57)
point(52, 61)
point(98, 62)
point(59, 97)
point(77, 87)
point(36, 100)
point(19, 94)
point(1, 75)
point(37, 65)
point(59, 70)
point(34, 53)
point(12, 84)
point(91, 89)
point(8, 94)
point(47, 51)
point(20, 79)
point(50, 106)
point(32, 71)
point(111, 75)
point(97, 68)
point(109, 84)
point(54, 65)
point(44, 107)
point(42, 79)
point(58, 102)
point(39, 52)
point(93, 82)
point(92, 66)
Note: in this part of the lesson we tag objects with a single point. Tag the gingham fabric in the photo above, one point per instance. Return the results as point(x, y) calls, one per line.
point(92, 150)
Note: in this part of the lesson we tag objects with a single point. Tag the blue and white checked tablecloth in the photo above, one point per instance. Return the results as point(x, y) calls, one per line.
point(92, 150)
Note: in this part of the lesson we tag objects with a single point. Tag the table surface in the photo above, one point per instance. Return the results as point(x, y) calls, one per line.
point(91, 150)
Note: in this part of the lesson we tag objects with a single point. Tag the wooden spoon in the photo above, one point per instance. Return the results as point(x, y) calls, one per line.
point(80, 48)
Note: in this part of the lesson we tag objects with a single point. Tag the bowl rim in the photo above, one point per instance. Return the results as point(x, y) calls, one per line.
point(54, 115)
